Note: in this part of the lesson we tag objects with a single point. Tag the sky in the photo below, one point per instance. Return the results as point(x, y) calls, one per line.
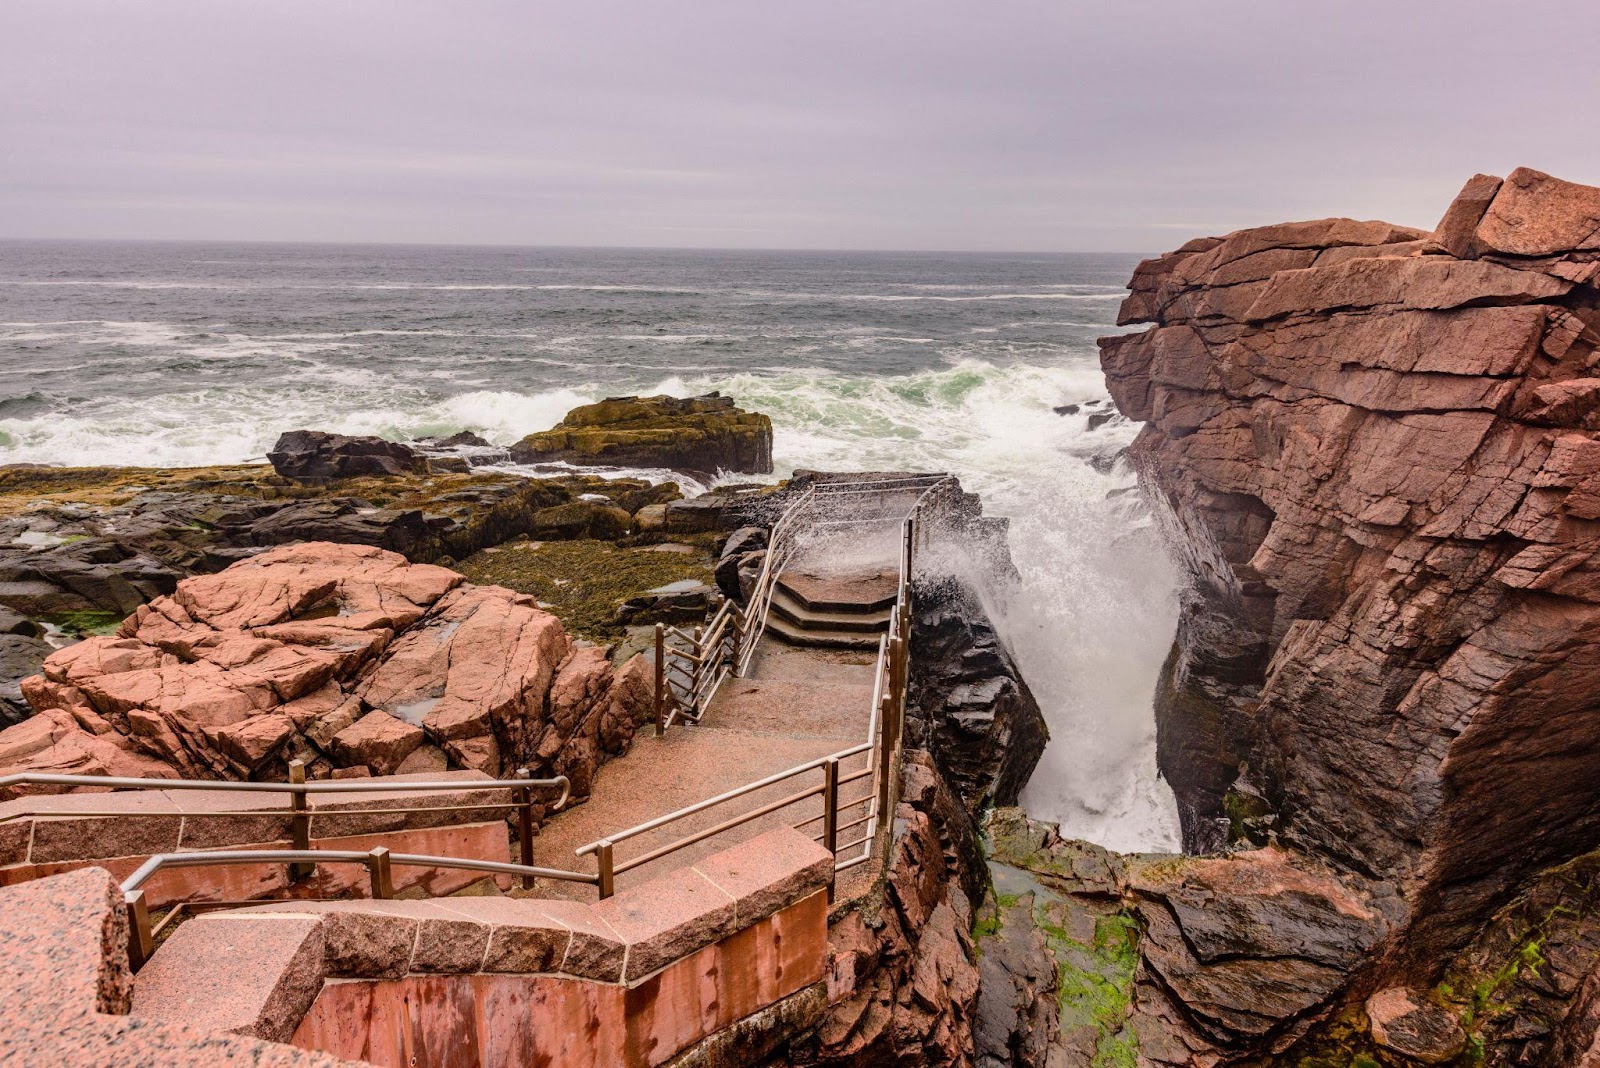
point(1007, 125)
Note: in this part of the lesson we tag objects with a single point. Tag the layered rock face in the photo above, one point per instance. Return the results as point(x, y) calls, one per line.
point(343, 656)
point(700, 435)
point(1381, 448)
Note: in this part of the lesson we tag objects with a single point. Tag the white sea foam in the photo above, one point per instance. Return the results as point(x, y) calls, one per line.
point(1089, 623)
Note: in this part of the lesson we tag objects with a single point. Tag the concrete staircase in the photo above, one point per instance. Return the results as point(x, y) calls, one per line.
point(832, 611)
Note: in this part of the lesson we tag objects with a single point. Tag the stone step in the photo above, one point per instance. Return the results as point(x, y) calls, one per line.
point(825, 638)
point(867, 592)
point(866, 620)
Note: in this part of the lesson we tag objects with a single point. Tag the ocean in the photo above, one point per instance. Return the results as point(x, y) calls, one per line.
point(184, 354)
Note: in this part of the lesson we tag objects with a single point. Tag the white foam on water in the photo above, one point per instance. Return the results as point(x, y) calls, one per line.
point(1089, 624)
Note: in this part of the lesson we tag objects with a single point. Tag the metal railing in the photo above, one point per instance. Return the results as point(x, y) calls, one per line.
point(379, 862)
point(300, 811)
point(691, 666)
point(885, 729)
point(302, 858)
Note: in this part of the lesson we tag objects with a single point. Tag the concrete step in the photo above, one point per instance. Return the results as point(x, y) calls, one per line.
point(825, 638)
point(866, 620)
point(867, 592)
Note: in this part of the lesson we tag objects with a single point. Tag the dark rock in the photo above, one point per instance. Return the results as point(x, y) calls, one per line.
point(727, 508)
point(1016, 1017)
point(1100, 419)
point(15, 623)
point(316, 454)
point(700, 435)
point(1066, 409)
point(582, 519)
point(21, 655)
point(968, 703)
point(688, 604)
point(458, 439)
point(1402, 1023)
point(742, 550)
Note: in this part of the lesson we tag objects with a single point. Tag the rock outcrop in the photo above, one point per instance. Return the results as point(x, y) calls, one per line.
point(903, 982)
point(1162, 960)
point(1380, 448)
point(696, 435)
point(338, 655)
point(968, 703)
point(317, 454)
point(89, 543)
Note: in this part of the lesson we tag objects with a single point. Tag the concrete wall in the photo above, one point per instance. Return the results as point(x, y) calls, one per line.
point(495, 981)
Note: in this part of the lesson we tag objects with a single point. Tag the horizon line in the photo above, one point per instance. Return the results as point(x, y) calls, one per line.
point(5, 239)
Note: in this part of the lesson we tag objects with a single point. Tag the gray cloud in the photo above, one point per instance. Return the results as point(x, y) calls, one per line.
point(1090, 125)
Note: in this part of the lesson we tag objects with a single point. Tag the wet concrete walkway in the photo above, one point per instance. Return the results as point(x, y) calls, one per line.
point(795, 705)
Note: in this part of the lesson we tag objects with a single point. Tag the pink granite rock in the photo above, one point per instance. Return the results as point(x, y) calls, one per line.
point(1384, 468)
point(339, 655)
point(378, 741)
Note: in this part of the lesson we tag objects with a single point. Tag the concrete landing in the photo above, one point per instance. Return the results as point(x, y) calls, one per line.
point(797, 704)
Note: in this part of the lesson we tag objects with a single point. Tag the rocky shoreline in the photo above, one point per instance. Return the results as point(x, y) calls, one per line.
point(1375, 449)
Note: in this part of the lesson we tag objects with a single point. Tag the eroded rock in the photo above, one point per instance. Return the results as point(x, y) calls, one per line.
point(337, 653)
point(1376, 447)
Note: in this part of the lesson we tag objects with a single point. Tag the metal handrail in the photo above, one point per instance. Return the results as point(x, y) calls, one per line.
point(378, 861)
point(885, 721)
point(300, 812)
point(315, 786)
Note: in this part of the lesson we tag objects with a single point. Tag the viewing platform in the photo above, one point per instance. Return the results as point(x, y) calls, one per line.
point(394, 921)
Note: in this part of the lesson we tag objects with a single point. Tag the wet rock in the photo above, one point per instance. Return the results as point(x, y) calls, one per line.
point(680, 602)
point(968, 702)
point(742, 552)
point(582, 519)
point(21, 655)
point(1402, 1023)
point(698, 435)
point(1374, 445)
point(316, 454)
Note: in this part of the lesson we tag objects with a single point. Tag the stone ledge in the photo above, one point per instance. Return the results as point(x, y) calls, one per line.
point(67, 983)
point(625, 939)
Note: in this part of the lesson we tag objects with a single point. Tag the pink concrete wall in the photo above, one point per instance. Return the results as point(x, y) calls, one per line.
point(501, 1021)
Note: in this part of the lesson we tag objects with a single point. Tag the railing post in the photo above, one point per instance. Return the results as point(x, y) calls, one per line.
point(661, 679)
point(830, 816)
point(885, 759)
point(140, 941)
point(381, 873)
point(701, 660)
point(299, 822)
point(608, 877)
point(525, 826)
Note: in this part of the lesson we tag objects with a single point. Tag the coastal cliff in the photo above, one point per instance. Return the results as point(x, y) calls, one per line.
point(1379, 449)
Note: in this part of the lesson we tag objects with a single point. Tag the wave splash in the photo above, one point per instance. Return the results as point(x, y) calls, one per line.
point(1089, 624)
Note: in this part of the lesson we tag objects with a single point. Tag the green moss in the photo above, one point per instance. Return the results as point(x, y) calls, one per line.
point(1095, 982)
point(84, 624)
point(583, 582)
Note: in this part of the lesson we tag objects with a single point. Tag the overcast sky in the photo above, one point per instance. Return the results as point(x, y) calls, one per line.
point(949, 124)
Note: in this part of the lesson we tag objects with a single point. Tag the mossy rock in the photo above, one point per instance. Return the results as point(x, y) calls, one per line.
point(701, 435)
point(584, 582)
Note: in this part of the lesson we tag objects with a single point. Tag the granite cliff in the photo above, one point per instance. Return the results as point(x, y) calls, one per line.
point(1379, 449)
